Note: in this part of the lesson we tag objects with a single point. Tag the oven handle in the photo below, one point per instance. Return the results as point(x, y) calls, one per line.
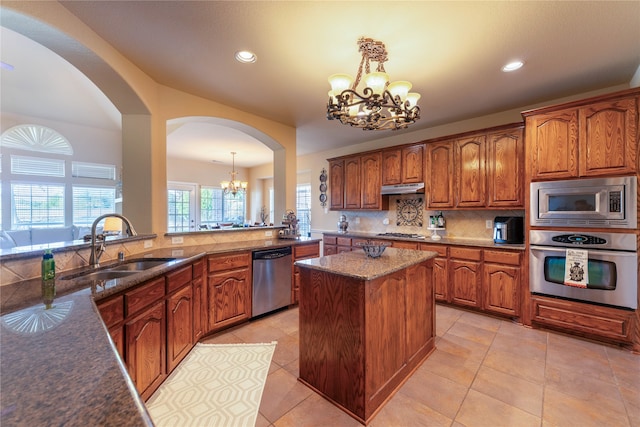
point(591, 251)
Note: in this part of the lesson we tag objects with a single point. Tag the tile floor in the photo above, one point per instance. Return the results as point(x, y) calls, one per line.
point(484, 372)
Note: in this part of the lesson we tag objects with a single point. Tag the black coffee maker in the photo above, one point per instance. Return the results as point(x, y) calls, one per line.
point(508, 229)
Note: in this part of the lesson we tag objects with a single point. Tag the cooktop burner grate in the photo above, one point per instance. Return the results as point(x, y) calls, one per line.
point(406, 235)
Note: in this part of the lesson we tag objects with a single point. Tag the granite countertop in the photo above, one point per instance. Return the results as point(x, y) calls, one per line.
point(59, 366)
point(360, 266)
point(457, 241)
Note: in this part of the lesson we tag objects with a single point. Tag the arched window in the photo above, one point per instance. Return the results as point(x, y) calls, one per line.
point(36, 138)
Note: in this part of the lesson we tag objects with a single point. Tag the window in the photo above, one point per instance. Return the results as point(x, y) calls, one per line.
point(91, 202)
point(216, 206)
point(179, 210)
point(37, 205)
point(303, 208)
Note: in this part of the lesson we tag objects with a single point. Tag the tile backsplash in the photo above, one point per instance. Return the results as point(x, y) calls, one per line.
point(467, 224)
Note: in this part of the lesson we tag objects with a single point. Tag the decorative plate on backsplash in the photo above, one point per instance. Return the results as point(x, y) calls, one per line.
point(409, 212)
point(323, 187)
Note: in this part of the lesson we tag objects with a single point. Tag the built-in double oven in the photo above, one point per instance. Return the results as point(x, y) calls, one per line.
point(567, 259)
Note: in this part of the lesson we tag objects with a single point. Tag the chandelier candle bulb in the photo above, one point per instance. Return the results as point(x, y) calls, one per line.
point(413, 98)
point(399, 88)
point(377, 82)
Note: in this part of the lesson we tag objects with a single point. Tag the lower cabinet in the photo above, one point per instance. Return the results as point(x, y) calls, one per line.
point(199, 301)
point(179, 326)
point(502, 281)
point(440, 270)
point(145, 349)
point(228, 290)
point(465, 276)
point(311, 250)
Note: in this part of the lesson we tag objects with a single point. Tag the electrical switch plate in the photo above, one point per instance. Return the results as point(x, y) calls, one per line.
point(385, 221)
point(177, 252)
point(178, 240)
point(488, 224)
point(268, 233)
point(148, 244)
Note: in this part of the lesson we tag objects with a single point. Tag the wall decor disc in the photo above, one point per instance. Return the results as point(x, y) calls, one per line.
point(409, 212)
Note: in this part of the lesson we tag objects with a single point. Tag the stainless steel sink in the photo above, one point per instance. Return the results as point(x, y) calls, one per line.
point(118, 271)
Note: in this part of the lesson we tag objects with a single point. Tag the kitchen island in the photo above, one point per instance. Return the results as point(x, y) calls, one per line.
point(365, 325)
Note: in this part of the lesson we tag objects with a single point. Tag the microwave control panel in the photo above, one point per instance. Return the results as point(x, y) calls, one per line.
point(615, 204)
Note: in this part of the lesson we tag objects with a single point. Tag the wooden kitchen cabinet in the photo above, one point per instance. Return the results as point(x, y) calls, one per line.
point(440, 270)
point(403, 165)
point(199, 301)
point(179, 316)
point(112, 313)
point(465, 276)
point(402, 244)
point(352, 183)
point(470, 171)
point(592, 137)
point(228, 289)
point(505, 169)
point(371, 176)
point(335, 245)
point(336, 184)
point(300, 252)
point(146, 336)
point(502, 281)
point(440, 175)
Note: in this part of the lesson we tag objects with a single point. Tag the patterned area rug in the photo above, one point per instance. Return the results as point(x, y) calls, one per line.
point(215, 385)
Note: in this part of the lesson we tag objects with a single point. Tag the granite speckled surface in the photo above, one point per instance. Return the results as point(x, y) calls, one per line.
point(480, 243)
point(360, 266)
point(59, 366)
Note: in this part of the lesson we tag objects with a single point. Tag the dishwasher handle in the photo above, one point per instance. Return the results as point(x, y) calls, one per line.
point(272, 253)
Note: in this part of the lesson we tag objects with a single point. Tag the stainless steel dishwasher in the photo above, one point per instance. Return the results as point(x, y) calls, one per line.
point(271, 280)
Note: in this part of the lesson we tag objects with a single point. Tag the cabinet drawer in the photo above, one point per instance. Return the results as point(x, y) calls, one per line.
point(179, 278)
point(502, 257)
point(401, 244)
point(197, 268)
point(355, 242)
point(144, 296)
point(112, 310)
point(441, 249)
point(306, 251)
point(229, 262)
point(465, 253)
point(330, 240)
point(343, 241)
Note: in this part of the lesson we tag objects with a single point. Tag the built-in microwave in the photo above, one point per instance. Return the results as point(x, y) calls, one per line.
point(597, 202)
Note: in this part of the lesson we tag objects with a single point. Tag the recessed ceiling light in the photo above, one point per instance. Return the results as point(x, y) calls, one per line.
point(512, 66)
point(246, 56)
point(6, 66)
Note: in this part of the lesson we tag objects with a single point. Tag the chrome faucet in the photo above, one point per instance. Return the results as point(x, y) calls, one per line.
point(96, 253)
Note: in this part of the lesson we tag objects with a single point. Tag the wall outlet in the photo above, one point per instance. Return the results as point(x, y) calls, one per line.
point(268, 233)
point(385, 221)
point(178, 240)
point(177, 252)
point(148, 244)
point(488, 224)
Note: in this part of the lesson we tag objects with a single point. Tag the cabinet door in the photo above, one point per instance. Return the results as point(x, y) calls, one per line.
point(336, 184)
point(465, 281)
point(553, 139)
point(145, 349)
point(412, 164)
point(470, 172)
point(440, 175)
point(329, 249)
point(501, 286)
point(179, 326)
point(371, 177)
point(505, 167)
point(391, 167)
point(229, 295)
point(199, 309)
point(352, 183)
point(441, 279)
point(608, 138)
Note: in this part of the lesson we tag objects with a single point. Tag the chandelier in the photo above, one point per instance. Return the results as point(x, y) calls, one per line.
point(233, 186)
point(381, 105)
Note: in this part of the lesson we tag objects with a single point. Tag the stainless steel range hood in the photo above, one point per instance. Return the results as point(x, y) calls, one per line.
point(403, 188)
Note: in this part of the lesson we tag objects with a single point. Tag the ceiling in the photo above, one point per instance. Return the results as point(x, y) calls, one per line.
point(452, 52)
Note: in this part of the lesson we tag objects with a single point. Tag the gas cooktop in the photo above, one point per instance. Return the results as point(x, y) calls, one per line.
point(405, 235)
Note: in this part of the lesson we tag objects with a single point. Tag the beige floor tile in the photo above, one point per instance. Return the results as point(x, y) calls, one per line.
point(315, 411)
point(282, 392)
point(520, 347)
point(631, 400)
point(262, 422)
point(434, 391)
point(462, 347)
point(483, 321)
point(561, 409)
point(223, 338)
point(510, 389)
point(480, 410)
point(472, 333)
point(404, 411)
point(527, 333)
point(626, 368)
point(287, 350)
point(580, 361)
point(259, 331)
point(526, 368)
point(462, 370)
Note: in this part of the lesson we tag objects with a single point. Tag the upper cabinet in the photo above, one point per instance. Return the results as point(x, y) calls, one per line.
point(403, 165)
point(592, 137)
point(505, 168)
point(355, 182)
point(483, 169)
